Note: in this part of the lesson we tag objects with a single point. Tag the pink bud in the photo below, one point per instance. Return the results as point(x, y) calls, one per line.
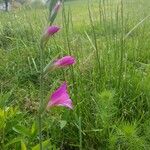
point(60, 98)
point(59, 63)
point(54, 12)
point(51, 30)
point(64, 62)
point(57, 6)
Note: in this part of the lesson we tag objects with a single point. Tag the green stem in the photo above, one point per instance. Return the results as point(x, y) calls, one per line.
point(41, 93)
point(80, 132)
point(3, 132)
point(121, 69)
point(3, 141)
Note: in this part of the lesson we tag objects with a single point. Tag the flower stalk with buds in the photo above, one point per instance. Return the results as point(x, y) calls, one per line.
point(60, 97)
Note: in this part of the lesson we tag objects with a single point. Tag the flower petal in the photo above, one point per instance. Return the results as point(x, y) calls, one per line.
point(61, 90)
point(60, 97)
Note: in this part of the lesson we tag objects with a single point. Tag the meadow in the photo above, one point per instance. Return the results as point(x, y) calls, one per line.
point(109, 84)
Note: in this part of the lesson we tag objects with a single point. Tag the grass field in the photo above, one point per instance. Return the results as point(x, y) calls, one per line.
point(109, 84)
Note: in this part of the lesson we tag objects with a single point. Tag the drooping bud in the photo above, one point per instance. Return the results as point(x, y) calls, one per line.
point(56, 8)
point(50, 31)
point(60, 63)
point(52, 4)
point(64, 62)
point(54, 11)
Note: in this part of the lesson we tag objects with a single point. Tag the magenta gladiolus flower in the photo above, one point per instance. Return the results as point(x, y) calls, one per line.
point(51, 30)
point(60, 98)
point(64, 62)
point(59, 63)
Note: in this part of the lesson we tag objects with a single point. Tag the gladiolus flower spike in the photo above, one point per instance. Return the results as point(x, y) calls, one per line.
point(60, 98)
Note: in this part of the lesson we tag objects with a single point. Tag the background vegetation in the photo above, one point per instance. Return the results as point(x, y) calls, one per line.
point(110, 82)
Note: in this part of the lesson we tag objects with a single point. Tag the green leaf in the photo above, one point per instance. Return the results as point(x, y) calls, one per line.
point(15, 140)
point(34, 130)
point(22, 130)
point(46, 145)
point(4, 97)
point(63, 123)
point(23, 146)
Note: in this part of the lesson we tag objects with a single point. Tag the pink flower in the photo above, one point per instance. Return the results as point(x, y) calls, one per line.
point(60, 98)
point(51, 30)
point(64, 62)
point(59, 63)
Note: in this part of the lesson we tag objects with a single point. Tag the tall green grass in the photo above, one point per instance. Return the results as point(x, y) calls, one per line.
point(109, 84)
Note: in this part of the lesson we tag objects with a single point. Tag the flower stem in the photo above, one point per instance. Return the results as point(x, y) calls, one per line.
point(41, 92)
